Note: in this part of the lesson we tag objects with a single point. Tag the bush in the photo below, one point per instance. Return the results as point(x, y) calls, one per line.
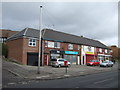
point(4, 50)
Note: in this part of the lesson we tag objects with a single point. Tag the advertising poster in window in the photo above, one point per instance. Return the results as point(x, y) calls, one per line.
point(89, 50)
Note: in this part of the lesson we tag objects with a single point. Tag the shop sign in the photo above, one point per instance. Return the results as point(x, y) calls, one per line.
point(70, 52)
point(90, 53)
point(55, 51)
point(55, 55)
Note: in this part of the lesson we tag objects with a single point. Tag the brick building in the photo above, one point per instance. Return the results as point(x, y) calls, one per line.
point(5, 34)
point(23, 47)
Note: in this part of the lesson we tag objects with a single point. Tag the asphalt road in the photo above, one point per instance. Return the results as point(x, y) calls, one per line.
point(100, 80)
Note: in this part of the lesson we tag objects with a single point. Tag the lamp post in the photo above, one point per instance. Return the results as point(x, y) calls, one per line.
point(39, 45)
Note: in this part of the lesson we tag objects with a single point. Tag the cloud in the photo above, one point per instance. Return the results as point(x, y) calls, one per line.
point(96, 20)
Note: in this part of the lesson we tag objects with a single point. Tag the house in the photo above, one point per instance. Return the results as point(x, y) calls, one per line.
point(115, 51)
point(23, 47)
point(5, 34)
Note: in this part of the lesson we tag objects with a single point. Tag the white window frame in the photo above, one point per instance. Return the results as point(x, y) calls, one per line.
point(70, 46)
point(32, 42)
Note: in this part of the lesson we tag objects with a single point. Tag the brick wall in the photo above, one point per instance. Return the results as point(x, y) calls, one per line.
point(27, 48)
point(15, 49)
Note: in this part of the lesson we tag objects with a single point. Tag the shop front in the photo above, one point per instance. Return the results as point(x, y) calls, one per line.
point(55, 54)
point(71, 56)
point(108, 57)
point(101, 57)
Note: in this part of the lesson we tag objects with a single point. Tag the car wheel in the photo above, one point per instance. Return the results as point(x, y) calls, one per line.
point(68, 65)
point(59, 65)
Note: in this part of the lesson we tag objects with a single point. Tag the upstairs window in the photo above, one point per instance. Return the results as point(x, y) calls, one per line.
point(100, 50)
point(106, 51)
point(32, 42)
point(50, 44)
point(56, 44)
point(70, 46)
point(46, 43)
point(89, 48)
point(78, 47)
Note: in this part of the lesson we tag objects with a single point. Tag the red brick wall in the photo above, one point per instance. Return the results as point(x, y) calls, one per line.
point(15, 48)
point(18, 49)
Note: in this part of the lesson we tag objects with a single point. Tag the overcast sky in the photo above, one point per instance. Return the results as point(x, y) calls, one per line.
point(95, 20)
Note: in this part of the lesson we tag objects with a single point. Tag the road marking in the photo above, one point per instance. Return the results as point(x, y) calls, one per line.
point(11, 83)
point(43, 76)
point(103, 81)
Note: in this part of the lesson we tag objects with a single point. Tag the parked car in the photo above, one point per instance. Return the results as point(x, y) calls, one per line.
point(93, 63)
point(59, 62)
point(106, 64)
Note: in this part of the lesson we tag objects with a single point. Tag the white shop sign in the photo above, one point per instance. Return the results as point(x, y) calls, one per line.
point(55, 54)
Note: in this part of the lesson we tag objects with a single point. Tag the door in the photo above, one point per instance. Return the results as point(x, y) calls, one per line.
point(45, 59)
point(89, 57)
point(32, 59)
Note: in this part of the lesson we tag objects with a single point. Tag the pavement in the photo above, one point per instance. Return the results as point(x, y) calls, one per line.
point(49, 73)
point(0, 74)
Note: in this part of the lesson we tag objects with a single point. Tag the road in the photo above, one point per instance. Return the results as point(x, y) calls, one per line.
point(100, 80)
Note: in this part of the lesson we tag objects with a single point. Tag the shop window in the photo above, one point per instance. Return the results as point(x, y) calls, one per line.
point(57, 44)
point(32, 42)
point(70, 46)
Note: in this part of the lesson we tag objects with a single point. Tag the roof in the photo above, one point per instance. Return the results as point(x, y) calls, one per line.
point(50, 34)
point(7, 33)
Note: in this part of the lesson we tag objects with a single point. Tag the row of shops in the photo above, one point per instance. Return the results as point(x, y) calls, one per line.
point(74, 57)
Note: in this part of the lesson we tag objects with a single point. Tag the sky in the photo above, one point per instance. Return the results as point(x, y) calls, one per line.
point(94, 20)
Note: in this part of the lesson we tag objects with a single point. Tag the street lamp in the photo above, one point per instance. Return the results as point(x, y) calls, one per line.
point(39, 45)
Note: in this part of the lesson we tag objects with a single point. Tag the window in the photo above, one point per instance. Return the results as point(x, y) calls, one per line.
point(89, 48)
point(50, 44)
point(32, 42)
point(78, 47)
point(61, 60)
point(111, 51)
point(106, 51)
point(56, 44)
point(46, 44)
point(100, 50)
point(70, 46)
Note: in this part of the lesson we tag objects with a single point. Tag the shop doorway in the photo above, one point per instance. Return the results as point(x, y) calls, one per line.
point(71, 58)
